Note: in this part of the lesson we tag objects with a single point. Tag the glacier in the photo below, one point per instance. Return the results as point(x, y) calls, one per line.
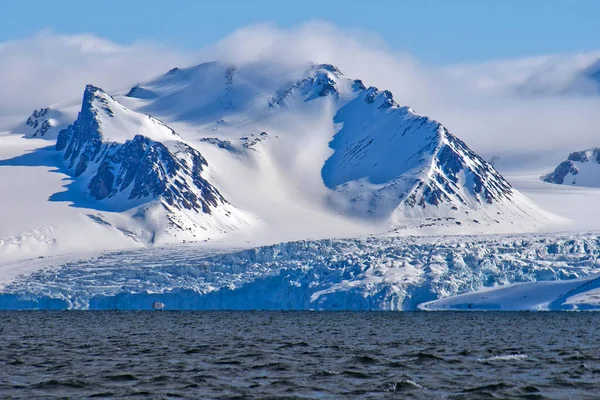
point(383, 272)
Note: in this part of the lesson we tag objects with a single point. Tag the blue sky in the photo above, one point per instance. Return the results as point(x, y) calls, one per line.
point(438, 32)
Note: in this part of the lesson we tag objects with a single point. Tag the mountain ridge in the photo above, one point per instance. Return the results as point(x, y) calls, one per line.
point(206, 151)
point(124, 169)
point(581, 168)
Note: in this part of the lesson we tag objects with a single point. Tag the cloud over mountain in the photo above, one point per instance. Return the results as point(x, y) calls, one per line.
point(49, 67)
point(532, 106)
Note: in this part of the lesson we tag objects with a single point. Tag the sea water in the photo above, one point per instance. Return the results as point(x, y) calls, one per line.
point(165, 354)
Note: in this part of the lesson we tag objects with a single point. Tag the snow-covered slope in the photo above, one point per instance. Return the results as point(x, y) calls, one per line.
point(203, 93)
point(581, 168)
point(208, 151)
point(379, 161)
point(576, 294)
point(388, 160)
point(126, 161)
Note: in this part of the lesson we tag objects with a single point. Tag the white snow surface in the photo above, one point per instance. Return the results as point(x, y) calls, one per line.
point(119, 124)
point(581, 294)
point(266, 135)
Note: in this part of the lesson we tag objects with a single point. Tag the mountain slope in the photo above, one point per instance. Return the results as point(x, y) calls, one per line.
point(202, 93)
point(307, 151)
point(124, 160)
point(44, 123)
point(389, 162)
point(581, 168)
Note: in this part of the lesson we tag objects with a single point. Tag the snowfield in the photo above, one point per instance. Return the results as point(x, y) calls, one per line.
point(371, 273)
point(577, 294)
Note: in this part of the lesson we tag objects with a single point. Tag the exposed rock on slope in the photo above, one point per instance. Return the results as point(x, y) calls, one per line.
point(581, 168)
point(44, 123)
point(124, 159)
point(390, 161)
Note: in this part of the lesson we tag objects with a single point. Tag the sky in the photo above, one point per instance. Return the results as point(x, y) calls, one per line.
point(435, 31)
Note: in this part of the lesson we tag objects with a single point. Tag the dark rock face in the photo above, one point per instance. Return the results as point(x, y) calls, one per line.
point(82, 140)
point(384, 99)
point(585, 156)
point(249, 142)
point(568, 166)
point(38, 121)
point(481, 180)
point(558, 175)
point(222, 144)
point(358, 85)
point(138, 169)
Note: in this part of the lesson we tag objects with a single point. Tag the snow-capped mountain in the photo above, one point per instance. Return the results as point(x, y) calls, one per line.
point(250, 156)
point(581, 168)
point(295, 152)
point(125, 160)
point(389, 162)
point(203, 93)
point(44, 123)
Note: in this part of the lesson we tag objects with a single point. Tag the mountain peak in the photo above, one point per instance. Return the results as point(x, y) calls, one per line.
point(383, 99)
point(94, 100)
point(43, 123)
point(325, 67)
point(321, 80)
point(91, 90)
point(128, 160)
point(108, 120)
point(580, 169)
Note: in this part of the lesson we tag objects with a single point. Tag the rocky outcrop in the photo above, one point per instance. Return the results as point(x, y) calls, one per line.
point(43, 124)
point(139, 169)
point(567, 171)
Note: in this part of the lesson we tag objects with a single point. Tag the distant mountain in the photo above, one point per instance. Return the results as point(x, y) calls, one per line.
point(44, 123)
point(125, 160)
point(581, 168)
point(588, 80)
point(206, 92)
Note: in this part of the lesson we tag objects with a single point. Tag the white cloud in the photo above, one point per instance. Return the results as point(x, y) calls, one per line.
point(530, 106)
point(494, 106)
point(48, 68)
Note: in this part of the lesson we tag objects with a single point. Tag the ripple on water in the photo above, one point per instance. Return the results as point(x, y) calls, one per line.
point(299, 354)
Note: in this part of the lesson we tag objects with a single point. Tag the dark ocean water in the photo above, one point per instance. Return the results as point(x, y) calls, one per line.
point(299, 355)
